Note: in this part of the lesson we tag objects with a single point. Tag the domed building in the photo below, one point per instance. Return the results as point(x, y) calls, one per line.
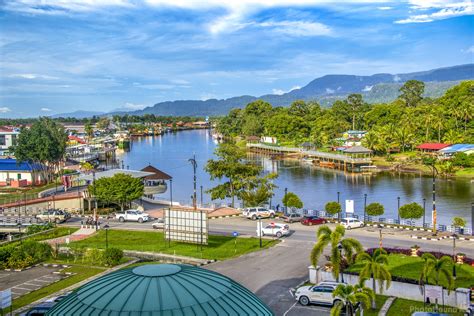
point(161, 289)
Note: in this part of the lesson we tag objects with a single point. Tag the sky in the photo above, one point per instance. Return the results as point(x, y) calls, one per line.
point(60, 56)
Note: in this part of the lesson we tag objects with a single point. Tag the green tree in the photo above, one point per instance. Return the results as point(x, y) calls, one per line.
point(44, 144)
point(299, 108)
point(258, 190)
point(292, 200)
point(333, 208)
point(437, 271)
point(103, 123)
point(232, 168)
point(375, 209)
point(347, 297)
point(412, 92)
point(252, 126)
point(89, 130)
point(411, 211)
point(120, 189)
point(375, 266)
point(325, 237)
point(459, 222)
point(356, 103)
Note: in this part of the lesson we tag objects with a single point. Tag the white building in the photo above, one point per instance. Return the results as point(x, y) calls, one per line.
point(8, 137)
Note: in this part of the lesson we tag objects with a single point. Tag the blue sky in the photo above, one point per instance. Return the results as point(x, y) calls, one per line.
point(59, 56)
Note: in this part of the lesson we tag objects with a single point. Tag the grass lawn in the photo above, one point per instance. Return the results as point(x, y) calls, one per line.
point(465, 172)
point(406, 307)
point(219, 247)
point(410, 267)
point(82, 273)
point(379, 301)
point(54, 233)
point(18, 193)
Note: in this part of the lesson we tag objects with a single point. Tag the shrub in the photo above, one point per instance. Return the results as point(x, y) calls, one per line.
point(19, 260)
point(38, 251)
point(292, 200)
point(35, 228)
point(94, 256)
point(5, 253)
point(459, 222)
point(112, 256)
point(411, 211)
point(375, 209)
point(333, 208)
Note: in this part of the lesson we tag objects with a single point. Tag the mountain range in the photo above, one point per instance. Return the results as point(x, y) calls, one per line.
point(325, 90)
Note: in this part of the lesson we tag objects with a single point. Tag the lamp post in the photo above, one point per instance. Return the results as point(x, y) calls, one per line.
point(365, 205)
point(106, 227)
point(433, 214)
point(424, 211)
point(398, 209)
point(454, 236)
point(338, 214)
point(24, 200)
point(19, 232)
point(260, 229)
point(286, 207)
point(339, 246)
point(380, 236)
point(194, 164)
point(95, 201)
point(201, 196)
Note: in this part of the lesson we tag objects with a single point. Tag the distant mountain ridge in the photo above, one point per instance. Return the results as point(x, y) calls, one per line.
point(78, 114)
point(375, 88)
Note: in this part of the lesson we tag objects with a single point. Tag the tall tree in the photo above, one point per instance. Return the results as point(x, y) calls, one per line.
point(375, 266)
point(120, 189)
point(292, 200)
point(231, 168)
point(43, 144)
point(412, 92)
point(348, 296)
point(258, 190)
point(356, 103)
point(438, 271)
point(325, 237)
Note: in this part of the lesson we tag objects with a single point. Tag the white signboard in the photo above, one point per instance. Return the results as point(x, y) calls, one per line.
point(186, 226)
point(268, 140)
point(5, 298)
point(434, 291)
point(350, 206)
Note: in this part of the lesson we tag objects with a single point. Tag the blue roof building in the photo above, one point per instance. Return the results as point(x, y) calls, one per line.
point(458, 148)
point(18, 174)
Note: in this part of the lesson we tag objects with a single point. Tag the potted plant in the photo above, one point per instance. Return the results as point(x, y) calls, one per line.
point(460, 258)
point(414, 250)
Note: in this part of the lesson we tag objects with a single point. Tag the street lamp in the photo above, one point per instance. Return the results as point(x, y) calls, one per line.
point(286, 207)
point(380, 236)
point(338, 214)
point(194, 164)
point(365, 205)
point(95, 201)
point(201, 195)
point(19, 232)
point(339, 246)
point(424, 211)
point(260, 229)
point(433, 214)
point(454, 254)
point(106, 227)
point(398, 209)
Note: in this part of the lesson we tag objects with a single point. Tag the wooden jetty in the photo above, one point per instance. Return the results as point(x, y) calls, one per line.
point(353, 162)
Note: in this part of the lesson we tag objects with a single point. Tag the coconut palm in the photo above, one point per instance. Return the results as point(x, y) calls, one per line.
point(375, 267)
point(348, 296)
point(433, 268)
point(326, 237)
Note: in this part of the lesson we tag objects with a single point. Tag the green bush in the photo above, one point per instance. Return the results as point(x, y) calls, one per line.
point(5, 253)
point(333, 208)
point(38, 251)
point(94, 256)
point(375, 209)
point(112, 256)
point(411, 211)
point(33, 229)
point(20, 256)
point(19, 260)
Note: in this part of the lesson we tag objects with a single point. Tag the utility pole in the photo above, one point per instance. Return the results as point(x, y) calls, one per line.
point(194, 164)
point(365, 206)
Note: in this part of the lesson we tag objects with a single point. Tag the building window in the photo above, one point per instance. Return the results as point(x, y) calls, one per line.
point(14, 139)
point(3, 140)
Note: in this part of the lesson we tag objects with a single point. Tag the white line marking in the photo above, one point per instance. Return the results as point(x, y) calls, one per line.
point(290, 309)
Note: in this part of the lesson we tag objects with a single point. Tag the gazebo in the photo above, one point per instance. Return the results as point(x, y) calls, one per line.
point(307, 145)
point(357, 152)
point(253, 139)
point(162, 290)
point(155, 182)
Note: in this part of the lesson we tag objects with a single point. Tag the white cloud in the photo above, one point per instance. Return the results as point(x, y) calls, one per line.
point(330, 91)
point(432, 10)
point(367, 88)
point(385, 8)
point(280, 91)
point(132, 106)
point(4, 109)
point(33, 76)
point(396, 78)
point(468, 50)
point(207, 96)
point(46, 110)
point(298, 28)
point(157, 86)
point(55, 7)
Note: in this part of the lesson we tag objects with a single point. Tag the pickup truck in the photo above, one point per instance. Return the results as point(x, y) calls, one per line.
point(132, 216)
point(256, 212)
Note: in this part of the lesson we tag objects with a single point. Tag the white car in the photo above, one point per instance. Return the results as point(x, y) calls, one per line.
point(275, 229)
point(350, 223)
point(132, 216)
point(317, 294)
point(159, 224)
point(255, 212)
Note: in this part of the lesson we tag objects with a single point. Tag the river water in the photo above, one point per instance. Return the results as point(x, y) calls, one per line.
point(315, 186)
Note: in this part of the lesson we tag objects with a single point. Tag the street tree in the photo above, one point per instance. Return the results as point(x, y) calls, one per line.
point(348, 296)
point(459, 222)
point(411, 211)
point(43, 144)
point(292, 200)
point(231, 168)
point(325, 237)
point(89, 130)
point(437, 271)
point(375, 209)
point(121, 189)
point(258, 190)
point(375, 266)
point(333, 208)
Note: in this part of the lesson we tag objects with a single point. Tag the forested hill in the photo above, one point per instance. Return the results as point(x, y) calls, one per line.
point(376, 88)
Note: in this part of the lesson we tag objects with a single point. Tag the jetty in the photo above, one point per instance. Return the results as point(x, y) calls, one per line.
point(355, 160)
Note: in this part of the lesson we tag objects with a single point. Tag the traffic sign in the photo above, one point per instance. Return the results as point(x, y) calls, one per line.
point(235, 234)
point(5, 298)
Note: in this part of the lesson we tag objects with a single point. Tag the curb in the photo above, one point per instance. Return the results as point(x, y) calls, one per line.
point(386, 306)
point(224, 216)
point(441, 238)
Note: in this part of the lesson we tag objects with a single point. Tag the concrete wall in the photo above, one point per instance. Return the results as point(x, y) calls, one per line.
point(458, 298)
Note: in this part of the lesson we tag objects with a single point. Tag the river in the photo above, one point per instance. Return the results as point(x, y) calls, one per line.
point(315, 186)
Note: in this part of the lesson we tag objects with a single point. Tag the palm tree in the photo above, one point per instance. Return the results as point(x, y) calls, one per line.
point(335, 237)
point(375, 267)
point(348, 296)
point(434, 268)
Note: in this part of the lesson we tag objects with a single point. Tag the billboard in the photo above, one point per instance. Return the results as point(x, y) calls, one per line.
point(188, 226)
point(350, 206)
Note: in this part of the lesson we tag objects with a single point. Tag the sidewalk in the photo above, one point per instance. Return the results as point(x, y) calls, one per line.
point(81, 234)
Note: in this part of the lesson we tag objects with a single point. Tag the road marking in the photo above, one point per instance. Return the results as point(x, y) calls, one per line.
point(20, 288)
point(286, 313)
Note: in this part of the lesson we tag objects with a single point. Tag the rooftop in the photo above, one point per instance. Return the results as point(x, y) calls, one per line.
point(112, 172)
point(432, 146)
point(357, 150)
point(157, 174)
point(13, 165)
point(161, 289)
point(458, 148)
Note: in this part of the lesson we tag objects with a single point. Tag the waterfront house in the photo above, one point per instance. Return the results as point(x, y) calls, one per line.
point(19, 174)
point(8, 137)
point(253, 139)
point(354, 134)
point(457, 148)
point(431, 147)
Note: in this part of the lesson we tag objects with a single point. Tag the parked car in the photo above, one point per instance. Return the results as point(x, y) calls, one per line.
point(312, 220)
point(275, 229)
point(293, 217)
point(132, 216)
point(159, 224)
point(350, 223)
point(56, 216)
point(317, 294)
point(43, 307)
point(256, 212)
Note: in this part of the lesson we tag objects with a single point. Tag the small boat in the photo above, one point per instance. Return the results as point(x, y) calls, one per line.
point(307, 160)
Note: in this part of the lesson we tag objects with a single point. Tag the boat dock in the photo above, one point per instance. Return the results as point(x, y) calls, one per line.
point(352, 162)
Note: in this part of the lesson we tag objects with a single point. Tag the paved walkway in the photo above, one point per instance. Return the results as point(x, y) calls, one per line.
point(386, 306)
point(82, 233)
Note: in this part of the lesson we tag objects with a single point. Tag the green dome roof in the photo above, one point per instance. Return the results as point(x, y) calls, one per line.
point(161, 289)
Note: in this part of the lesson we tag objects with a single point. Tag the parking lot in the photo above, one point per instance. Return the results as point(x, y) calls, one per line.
point(24, 282)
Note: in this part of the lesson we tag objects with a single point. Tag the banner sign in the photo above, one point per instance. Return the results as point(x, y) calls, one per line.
point(434, 291)
point(349, 206)
point(186, 226)
point(5, 298)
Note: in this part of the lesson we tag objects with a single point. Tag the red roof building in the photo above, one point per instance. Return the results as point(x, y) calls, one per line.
point(430, 147)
